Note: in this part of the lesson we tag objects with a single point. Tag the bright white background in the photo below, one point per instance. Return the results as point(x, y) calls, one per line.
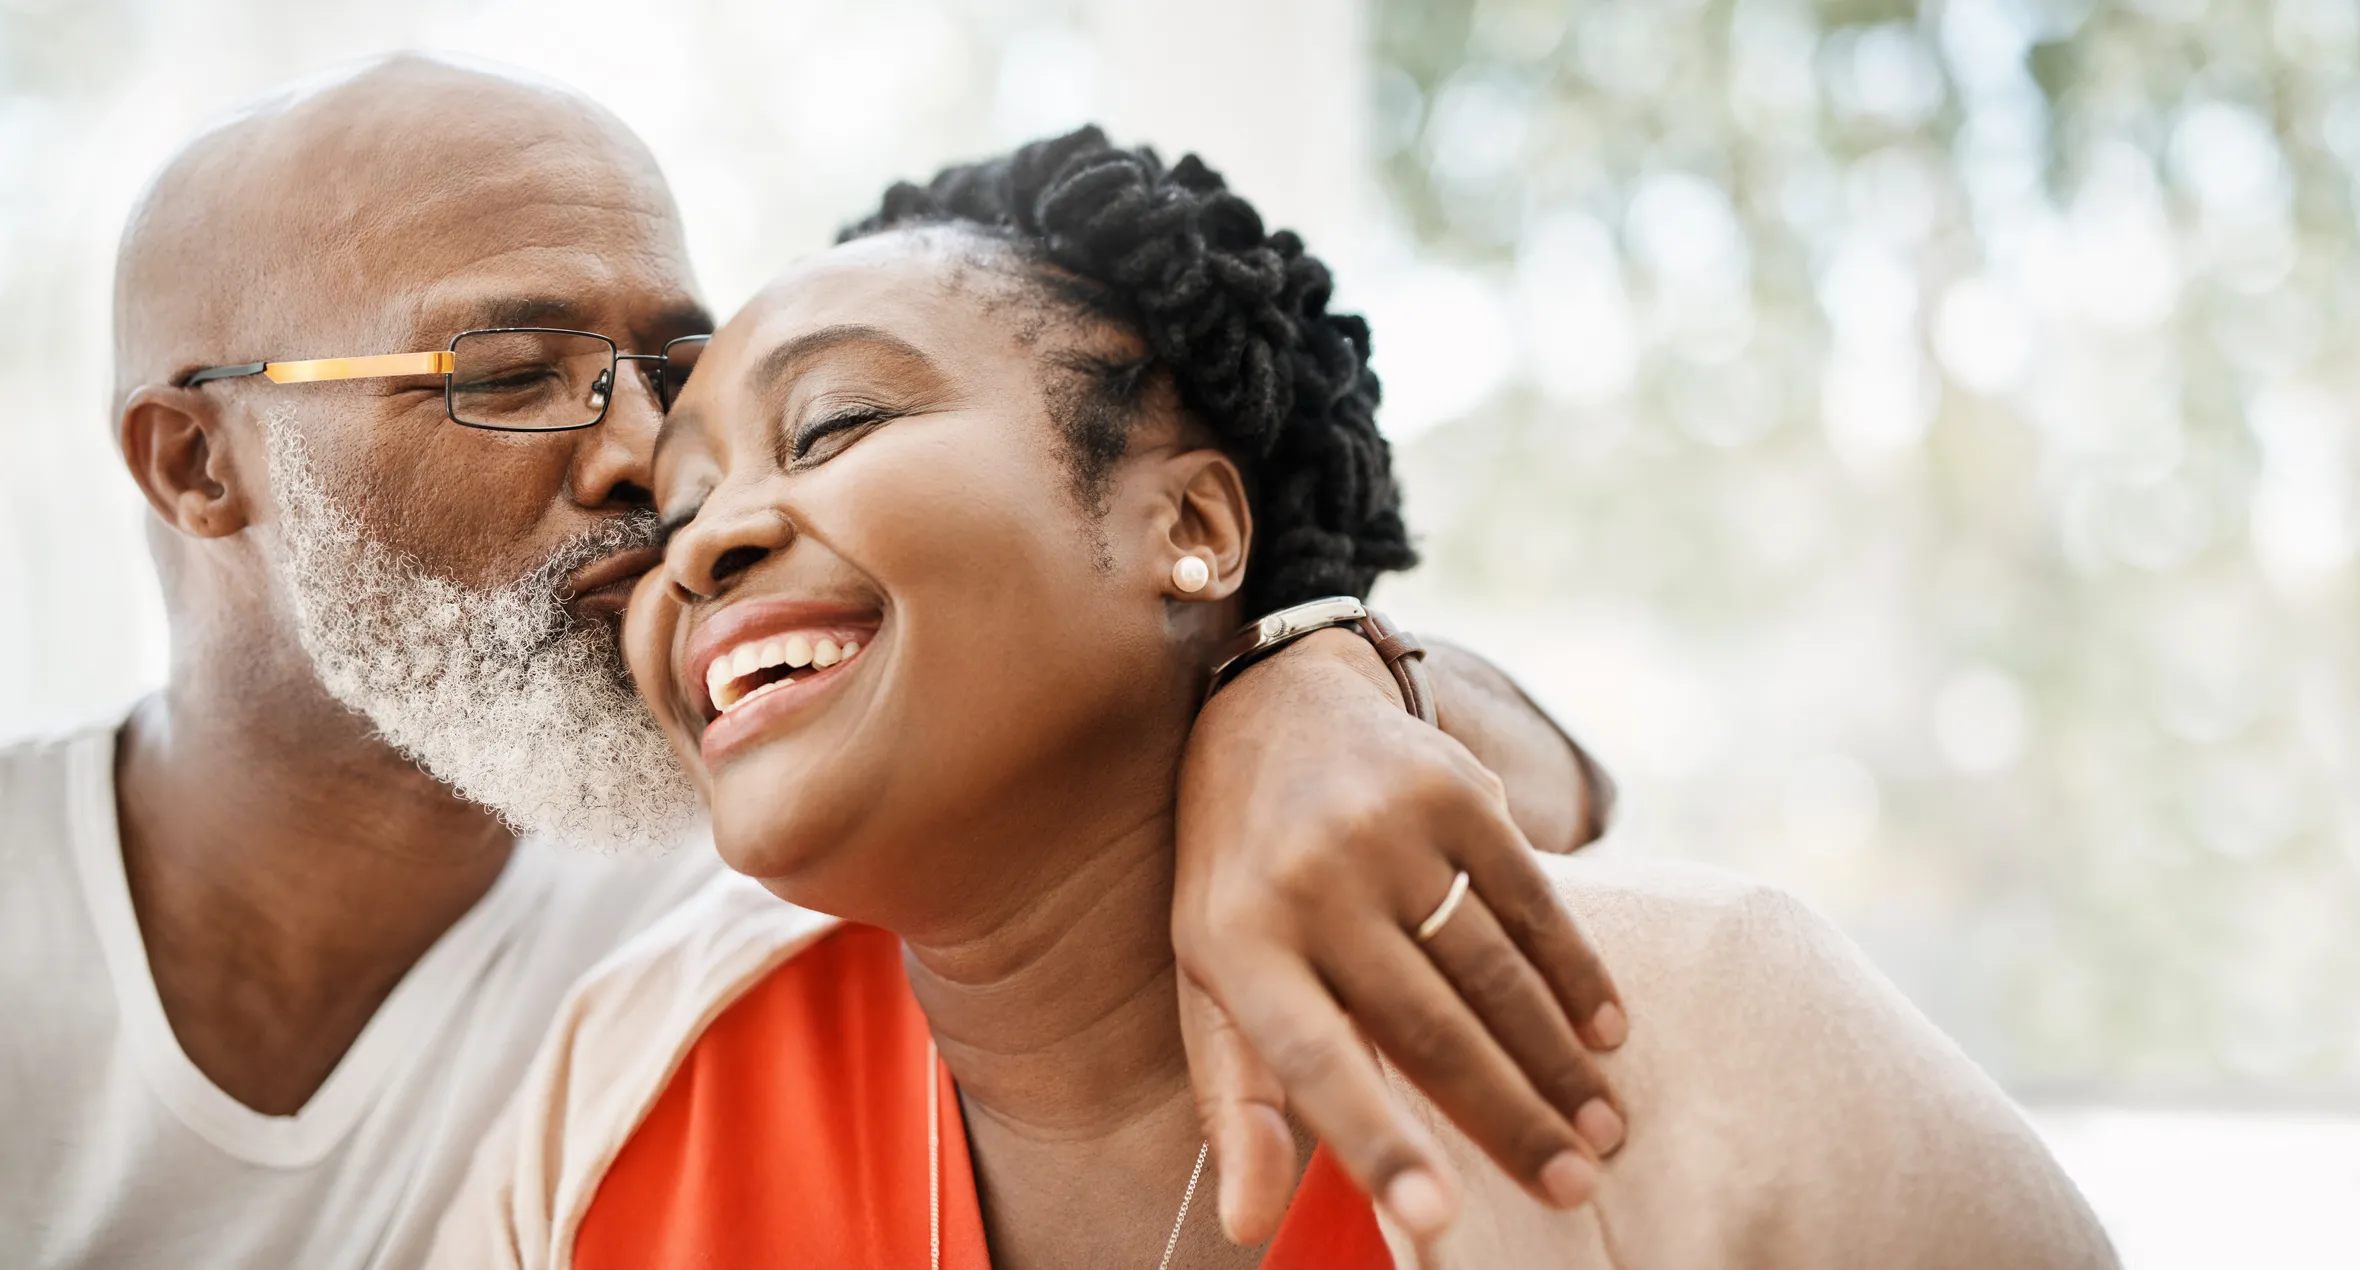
point(1912, 443)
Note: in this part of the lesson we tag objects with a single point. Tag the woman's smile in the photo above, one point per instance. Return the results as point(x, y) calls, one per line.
point(756, 663)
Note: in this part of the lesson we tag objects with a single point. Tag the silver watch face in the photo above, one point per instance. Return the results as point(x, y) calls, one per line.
point(1287, 624)
point(1310, 616)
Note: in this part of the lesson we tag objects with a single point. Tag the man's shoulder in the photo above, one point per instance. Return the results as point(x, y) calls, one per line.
point(58, 854)
point(1714, 967)
point(1774, 1079)
point(1676, 909)
point(52, 789)
point(38, 772)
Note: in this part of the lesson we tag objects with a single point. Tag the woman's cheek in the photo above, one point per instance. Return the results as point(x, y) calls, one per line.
point(651, 629)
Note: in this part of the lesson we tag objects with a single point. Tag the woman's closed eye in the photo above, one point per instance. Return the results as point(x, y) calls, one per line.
point(828, 434)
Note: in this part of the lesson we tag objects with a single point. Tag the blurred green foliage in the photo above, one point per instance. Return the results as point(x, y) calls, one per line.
point(1948, 410)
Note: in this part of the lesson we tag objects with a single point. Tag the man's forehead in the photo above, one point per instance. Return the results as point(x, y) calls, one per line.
point(573, 288)
point(556, 207)
point(506, 254)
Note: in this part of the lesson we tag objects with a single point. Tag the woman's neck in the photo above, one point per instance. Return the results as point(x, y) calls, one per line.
point(1061, 1025)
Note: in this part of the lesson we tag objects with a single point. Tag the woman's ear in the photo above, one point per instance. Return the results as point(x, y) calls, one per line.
point(1211, 523)
point(172, 442)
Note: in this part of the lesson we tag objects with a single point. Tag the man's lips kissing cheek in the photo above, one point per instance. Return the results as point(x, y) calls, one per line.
point(600, 590)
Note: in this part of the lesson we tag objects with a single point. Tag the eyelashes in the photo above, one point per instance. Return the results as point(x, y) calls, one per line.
point(814, 442)
point(835, 432)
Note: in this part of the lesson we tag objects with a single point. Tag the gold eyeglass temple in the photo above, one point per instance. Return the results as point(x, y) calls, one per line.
point(437, 363)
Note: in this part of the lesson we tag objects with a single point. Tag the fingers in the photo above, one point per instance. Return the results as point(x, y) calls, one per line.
point(1515, 1004)
point(1293, 908)
point(1334, 1085)
point(1510, 881)
point(1419, 1020)
point(1243, 1108)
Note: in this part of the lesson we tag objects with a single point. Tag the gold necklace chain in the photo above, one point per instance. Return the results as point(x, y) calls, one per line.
point(1193, 1174)
point(934, 1170)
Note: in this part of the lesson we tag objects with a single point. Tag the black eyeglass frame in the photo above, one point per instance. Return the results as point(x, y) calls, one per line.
point(444, 362)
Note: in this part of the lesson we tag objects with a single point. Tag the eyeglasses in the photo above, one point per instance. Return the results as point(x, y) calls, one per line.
point(506, 379)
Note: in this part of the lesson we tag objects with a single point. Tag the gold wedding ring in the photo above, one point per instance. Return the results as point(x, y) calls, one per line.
point(1450, 904)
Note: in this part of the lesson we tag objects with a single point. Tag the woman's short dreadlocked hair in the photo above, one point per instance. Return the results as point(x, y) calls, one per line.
point(1237, 317)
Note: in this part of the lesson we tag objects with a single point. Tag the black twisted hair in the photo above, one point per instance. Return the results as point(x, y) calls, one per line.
point(1237, 318)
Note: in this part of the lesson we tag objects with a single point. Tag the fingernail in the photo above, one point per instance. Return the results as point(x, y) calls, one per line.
point(1569, 1180)
point(1600, 1125)
point(1609, 1026)
point(1417, 1202)
point(1231, 1185)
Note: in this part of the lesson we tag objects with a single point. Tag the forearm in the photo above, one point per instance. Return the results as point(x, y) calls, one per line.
point(1557, 795)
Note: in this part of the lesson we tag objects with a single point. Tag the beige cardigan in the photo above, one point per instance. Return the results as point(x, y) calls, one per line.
point(1788, 1109)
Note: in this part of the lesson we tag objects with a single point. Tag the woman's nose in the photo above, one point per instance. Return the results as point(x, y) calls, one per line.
point(722, 543)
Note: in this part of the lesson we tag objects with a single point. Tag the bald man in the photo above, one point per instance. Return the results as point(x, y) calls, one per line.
point(279, 943)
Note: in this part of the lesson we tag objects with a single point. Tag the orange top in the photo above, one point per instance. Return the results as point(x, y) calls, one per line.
point(794, 1134)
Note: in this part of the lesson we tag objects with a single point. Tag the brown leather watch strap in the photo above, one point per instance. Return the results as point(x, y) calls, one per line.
point(1405, 657)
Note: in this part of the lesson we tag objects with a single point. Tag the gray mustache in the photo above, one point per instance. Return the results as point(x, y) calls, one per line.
point(629, 532)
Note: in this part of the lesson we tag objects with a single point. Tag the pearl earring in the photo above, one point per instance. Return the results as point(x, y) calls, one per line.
point(1191, 573)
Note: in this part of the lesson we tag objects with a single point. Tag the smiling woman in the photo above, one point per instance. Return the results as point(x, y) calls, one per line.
point(920, 638)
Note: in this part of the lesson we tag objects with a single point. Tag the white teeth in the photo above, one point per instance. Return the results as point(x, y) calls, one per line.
point(768, 687)
point(793, 652)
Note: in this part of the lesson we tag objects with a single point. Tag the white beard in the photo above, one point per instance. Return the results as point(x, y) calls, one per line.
point(498, 694)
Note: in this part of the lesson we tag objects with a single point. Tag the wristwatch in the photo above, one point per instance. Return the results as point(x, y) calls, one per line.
point(1401, 652)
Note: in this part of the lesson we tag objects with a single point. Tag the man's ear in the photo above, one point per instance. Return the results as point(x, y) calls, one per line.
point(172, 440)
point(1211, 520)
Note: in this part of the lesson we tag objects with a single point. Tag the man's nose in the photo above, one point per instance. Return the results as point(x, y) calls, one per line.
point(613, 461)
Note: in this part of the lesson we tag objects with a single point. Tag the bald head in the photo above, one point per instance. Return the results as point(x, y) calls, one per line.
point(327, 214)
